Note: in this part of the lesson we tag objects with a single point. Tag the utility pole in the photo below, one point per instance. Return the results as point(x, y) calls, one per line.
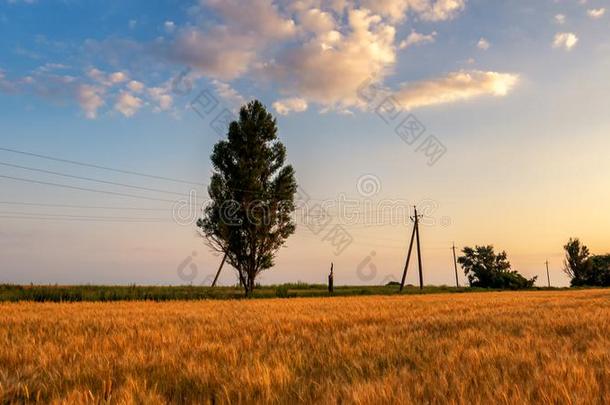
point(404, 273)
point(548, 278)
point(219, 269)
point(414, 237)
point(419, 264)
point(457, 282)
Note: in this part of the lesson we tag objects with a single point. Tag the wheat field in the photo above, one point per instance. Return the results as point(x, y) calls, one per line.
point(512, 347)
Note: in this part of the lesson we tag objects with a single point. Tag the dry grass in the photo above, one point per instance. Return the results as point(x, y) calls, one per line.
point(523, 347)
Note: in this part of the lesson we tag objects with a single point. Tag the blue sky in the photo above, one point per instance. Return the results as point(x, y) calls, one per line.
point(516, 92)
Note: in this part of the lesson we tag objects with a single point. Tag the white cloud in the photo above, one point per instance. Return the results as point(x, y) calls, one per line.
point(566, 40)
point(96, 75)
point(90, 99)
point(596, 13)
point(456, 86)
point(135, 86)
point(560, 19)
point(132, 24)
point(416, 38)
point(328, 68)
point(107, 80)
point(162, 97)
point(226, 50)
point(217, 53)
point(318, 51)
point(229, 94)
point(309, 51)
point(117, 77)
point(288, 105)
point(441, 10)
point(429, 10)
point(128, 104)
point(317, 21)
point(483, 44)
point(169, 26)
point(261, 17)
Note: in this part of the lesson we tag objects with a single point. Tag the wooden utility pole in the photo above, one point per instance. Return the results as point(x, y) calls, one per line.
point(224, 258)
point(414, 237)
point(419, 264)
point(548, 278)
point(404, 273)
point(331, 280)
point(457, 282)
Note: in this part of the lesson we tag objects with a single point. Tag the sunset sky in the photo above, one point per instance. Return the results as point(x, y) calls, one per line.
point(514, 93)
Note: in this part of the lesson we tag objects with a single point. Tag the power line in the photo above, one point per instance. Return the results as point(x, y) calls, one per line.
point(85, 189)
point(33, 169)
point(112, 169)
point(82, 219)
point(81, 206)
point(117, 170)
point(19, 213)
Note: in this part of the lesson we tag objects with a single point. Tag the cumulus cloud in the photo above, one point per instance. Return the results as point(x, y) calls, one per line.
point(316, 20)
point(135, 86)
point(288, 105)
point(162, 98)
point(217, 53)
point(441, 10)
point(318, 51)
point(226, 50)
point(483, 44)
point(107, 79)
point(456, 86)
point(335, 47)
point(312, 52)
point(91, 90)
point(565, 40)
point(329, 67)
point(596, 13)
point(117, 77)
point(90, 99)
point(261, 17)
point(128, 104)
point(229, 94)
point(429, 10)
point(415, 38)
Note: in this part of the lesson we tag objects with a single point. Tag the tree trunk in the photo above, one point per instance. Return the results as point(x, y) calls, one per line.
point(249, 284)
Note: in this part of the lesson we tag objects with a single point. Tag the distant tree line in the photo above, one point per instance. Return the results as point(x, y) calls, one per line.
point(583, 268)
point(487, 269)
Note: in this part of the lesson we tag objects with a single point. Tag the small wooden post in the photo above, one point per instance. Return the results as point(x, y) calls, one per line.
point(331, 280)
point(457, 281)
point(224, 259)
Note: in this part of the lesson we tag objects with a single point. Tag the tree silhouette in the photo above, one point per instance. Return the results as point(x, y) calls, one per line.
point(576, 262)
point(583, 268)
point(484, 268)
point(252, 195)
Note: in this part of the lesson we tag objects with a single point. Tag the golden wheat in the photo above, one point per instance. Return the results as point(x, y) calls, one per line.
point(513, 347)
